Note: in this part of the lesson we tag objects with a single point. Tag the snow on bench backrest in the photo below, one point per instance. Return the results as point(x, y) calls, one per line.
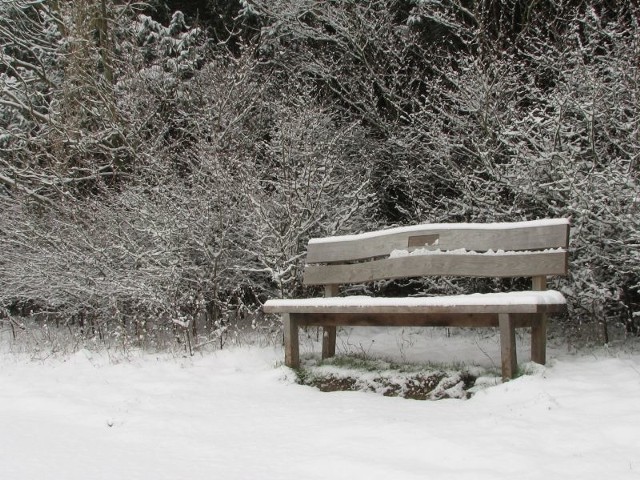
point(519, 249)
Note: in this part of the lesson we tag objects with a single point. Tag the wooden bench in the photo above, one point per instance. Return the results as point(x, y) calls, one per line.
point(535, 249)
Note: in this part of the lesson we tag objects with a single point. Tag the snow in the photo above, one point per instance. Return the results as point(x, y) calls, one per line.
point(238, 414)
point(529, 297)
point(443, 226)
point(463, 251)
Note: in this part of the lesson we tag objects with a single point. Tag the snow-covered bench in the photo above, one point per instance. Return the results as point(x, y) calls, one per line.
point(535, 249)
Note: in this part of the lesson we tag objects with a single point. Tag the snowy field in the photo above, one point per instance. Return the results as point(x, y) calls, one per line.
point(238, 414)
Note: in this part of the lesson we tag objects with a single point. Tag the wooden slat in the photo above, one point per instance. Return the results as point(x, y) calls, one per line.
point(390, 307)
point(478, 237)
point(398, 320)
point(479, 265)
point(409, 320)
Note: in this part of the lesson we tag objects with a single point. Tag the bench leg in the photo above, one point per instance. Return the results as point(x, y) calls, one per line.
point(328, 342)
point(291, 341)
point(508, 346)
point(539, 340)
point(329, 333)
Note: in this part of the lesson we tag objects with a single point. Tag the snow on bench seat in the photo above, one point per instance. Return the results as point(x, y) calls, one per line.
point(547, 301)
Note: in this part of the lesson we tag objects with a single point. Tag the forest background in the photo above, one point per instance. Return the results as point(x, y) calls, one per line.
point(163, 164)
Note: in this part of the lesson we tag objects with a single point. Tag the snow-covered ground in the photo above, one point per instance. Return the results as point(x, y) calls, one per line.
point(238, 414)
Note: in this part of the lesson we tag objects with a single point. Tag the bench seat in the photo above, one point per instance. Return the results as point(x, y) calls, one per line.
point(546, 301)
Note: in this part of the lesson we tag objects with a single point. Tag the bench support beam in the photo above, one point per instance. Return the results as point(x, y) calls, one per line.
point(328, 342)
point(539, 327)
point(329, 332)
point(508, 346)
point(291, 341)
point(539, 340)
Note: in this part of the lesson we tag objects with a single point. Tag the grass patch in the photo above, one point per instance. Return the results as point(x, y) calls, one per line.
point(417, 382)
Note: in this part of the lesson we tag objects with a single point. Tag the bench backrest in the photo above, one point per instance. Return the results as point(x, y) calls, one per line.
point(520, 249)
